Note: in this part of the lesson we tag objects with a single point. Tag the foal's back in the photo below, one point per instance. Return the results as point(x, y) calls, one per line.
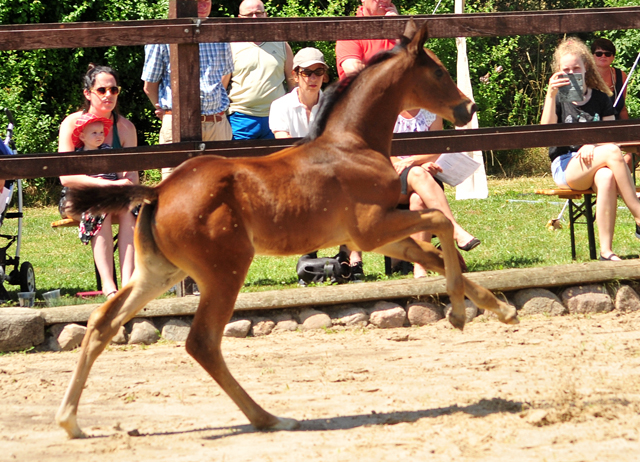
point(292, 202)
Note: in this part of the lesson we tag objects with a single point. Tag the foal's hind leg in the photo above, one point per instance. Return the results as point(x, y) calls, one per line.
point(219, 286)
point(428, 256)
point(152, 276)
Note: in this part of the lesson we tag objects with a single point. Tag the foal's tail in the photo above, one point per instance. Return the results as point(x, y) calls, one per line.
point(108, 199)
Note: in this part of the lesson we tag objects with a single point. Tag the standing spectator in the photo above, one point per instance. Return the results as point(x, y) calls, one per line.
point(292, 114)
point(216, 66)
point(604, 52)
point(259, 70)
point(101, 91)
point(598, 166)
point(353, 55)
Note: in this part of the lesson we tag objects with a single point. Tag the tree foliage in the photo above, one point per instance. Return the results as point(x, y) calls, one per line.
point(509, 74)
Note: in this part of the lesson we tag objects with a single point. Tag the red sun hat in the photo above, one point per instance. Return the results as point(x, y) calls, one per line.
point(84, 120)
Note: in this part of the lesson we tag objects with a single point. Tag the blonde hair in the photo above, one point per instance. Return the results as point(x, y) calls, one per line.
point(575, 46)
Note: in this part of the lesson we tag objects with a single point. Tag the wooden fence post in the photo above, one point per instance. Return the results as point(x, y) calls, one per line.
point(185, 78)
point(185, 91)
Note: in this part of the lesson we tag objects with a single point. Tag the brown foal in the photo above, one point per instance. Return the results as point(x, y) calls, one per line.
point(212, 215)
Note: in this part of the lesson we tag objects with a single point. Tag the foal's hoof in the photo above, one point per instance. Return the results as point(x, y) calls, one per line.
point(508, 315)
point(74, 432)
point(70, 425)
point(285, 423)
point(457, 321)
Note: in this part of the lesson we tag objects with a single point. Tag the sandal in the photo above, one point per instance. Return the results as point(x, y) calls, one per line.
point(610, 257)
point(111, 294)
point(472, 244)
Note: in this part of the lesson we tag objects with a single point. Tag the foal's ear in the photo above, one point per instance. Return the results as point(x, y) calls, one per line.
point(409, 31)
point(418, 37)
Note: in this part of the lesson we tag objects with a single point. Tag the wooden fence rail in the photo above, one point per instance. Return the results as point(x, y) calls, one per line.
point(189, 30)
point(171, 155)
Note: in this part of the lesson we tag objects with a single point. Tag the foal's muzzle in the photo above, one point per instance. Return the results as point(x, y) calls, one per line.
point(463, 112)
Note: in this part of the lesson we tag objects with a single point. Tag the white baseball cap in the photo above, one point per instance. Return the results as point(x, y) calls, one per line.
point(308, 57)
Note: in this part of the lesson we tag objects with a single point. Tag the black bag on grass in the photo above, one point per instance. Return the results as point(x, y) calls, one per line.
point(336, 270)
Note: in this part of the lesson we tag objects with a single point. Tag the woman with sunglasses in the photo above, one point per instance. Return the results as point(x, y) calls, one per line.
point(100, 91)
point(604, 52)
point(292, 114)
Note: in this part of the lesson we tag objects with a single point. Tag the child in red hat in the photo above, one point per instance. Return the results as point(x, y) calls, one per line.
point(90, 131)
point(89, 134)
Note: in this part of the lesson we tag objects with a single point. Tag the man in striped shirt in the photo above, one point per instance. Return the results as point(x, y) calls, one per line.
point(216, 66)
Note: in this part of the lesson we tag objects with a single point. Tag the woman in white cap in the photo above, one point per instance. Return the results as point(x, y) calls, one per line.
point(292, 114)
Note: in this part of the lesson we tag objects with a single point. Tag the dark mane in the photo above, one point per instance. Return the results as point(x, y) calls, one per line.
point(334, 93)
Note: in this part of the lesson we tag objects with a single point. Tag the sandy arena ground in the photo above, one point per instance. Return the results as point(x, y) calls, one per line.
point(551, 389)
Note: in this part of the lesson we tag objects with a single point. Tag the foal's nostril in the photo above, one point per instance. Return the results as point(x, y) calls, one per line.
point(463, 112)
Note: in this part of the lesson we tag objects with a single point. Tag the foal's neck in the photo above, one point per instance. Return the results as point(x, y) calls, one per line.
point(370, 107)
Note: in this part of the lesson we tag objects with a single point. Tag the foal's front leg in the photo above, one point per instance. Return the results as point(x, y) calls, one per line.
point(432, 259)
point(424, 252)
point(397, 225)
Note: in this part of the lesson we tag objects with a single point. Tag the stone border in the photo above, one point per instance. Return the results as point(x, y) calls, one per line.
point(24, 328)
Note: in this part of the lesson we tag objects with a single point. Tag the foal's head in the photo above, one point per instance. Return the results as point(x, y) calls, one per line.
point(431, 86)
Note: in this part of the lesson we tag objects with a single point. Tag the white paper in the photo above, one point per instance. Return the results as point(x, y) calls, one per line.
point(456, 167)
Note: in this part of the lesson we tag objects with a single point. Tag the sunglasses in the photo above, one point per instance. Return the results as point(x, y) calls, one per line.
point(599, 54)
point(307, 72)
point(104, 90)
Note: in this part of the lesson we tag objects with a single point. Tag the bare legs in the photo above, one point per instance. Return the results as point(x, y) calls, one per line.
point(424, 185)
point(609, 175)
point(606, 208)
point(416, 203)
point(424, 192)
point(580, 175)
point(102, 245)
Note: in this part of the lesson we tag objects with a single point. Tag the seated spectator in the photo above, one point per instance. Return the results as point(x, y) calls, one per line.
point(597, 166)
point(604, 52)
point(100, 91)
point(260, 69)
point(291, 115)
point(419, 188)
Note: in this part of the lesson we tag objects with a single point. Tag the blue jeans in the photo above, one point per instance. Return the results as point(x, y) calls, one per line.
point(559, 166)
point(246, 127)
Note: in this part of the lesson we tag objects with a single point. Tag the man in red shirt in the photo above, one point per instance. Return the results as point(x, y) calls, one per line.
point(352, 55)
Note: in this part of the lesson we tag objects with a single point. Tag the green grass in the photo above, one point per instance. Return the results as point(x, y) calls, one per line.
point(513, 235)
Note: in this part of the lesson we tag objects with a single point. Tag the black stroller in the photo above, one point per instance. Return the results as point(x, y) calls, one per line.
point(24, 276)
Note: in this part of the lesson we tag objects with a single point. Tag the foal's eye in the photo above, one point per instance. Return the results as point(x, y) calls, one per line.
point(439, 73)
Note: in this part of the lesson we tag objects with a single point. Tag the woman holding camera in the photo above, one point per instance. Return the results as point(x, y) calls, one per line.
point(600, 167)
